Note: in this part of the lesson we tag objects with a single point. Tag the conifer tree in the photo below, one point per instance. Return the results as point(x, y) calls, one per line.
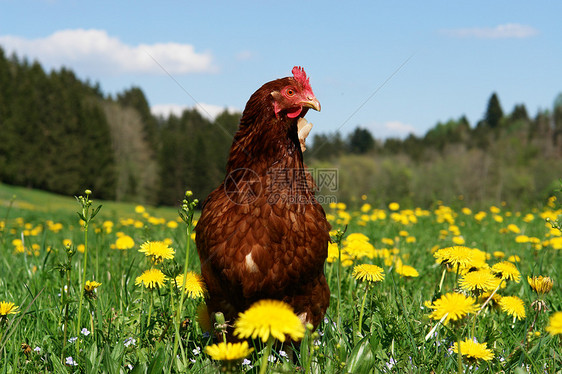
point(494, 112)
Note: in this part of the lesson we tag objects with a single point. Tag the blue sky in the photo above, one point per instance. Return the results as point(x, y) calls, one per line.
point(392, 67)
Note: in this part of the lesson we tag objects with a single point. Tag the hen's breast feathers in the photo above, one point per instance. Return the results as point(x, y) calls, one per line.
point(264, 247)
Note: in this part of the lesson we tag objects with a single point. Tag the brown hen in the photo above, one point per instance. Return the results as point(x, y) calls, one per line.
point(262, 234)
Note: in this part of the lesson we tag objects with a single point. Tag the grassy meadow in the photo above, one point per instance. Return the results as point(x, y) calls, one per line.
point(83, 302)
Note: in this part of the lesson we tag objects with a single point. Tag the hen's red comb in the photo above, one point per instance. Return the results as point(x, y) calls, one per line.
point(300, 76)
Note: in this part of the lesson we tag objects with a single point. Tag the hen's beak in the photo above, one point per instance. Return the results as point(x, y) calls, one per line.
point(312, 102)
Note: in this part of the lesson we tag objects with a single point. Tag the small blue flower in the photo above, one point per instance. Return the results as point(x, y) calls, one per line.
point(130, 341)
point(70, 361)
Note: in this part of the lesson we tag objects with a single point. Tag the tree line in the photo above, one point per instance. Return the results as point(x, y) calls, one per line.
point(63, 135)
point(510, 157)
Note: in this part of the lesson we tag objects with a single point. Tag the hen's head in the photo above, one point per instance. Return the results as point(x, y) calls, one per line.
point(295, 95)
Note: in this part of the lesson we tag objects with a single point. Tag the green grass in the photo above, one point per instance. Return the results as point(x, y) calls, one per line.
point(46, 202)
point(394, 325)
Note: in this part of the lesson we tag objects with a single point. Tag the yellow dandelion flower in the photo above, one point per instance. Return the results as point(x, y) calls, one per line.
point(366, 207)
point(499, 254)
point(172, 224)
point(394, 206)
point(455, 256)
point(480, 216)
point(454, 229)
point(344, 217)
point(513, 228)
point(507, 270)
point(522, 239)
point(228, 351)
point(406, 270)
point(474, 350)
point(540, 284)
point(514, 258)
point(356, 237)
point(555, 324)
point(556, 242)
point(194, 286)
point(452, 306)
point(151, 278)
point(124, 242)
point(107, 226)
point(54, 227)
point(513, 306)
point(81, 248)
point(387, 241)
point(8, 308)
point(267, 318)
point(158, 251)
point(333, 252)
point(458, 240)
point(368, 272)
point(358, 246)
point(528, 217)
point(140, 209)
point(90, 286)
point(466, 211)
point(478, 281)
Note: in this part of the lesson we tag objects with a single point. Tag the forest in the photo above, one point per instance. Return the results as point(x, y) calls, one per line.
point(63, 135)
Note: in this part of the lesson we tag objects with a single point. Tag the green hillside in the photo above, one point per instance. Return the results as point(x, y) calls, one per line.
point(25, 200)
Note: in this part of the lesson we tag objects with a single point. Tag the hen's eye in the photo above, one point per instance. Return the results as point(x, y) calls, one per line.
point(290, 92)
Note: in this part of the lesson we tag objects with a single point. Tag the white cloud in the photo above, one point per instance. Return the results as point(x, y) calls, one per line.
point(391, 129)
point(208, 111)
point(97, 52)
point(509, 30)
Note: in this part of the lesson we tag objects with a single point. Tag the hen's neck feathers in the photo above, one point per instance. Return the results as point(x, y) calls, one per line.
point(263, 140)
